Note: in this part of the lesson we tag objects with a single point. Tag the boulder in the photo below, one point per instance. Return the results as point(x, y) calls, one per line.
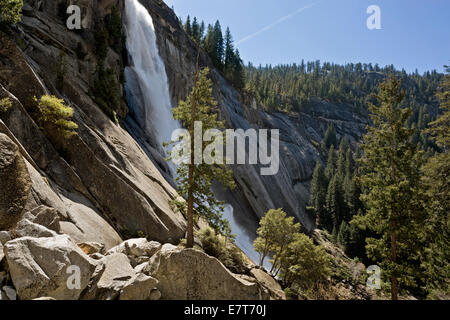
point(138, 250)
point(140, 287)
point(120, 281)
point(189, 274)
point(267, 281)
point(117, 273)
point(27, 228)
point(46, 216)
point(15, 183)
point(39, 267)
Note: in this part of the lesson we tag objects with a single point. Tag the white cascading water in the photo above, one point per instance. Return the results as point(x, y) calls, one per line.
point(146, 78)
point(148, 72)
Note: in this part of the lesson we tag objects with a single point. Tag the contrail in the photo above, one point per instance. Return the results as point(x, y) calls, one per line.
point(273, 24)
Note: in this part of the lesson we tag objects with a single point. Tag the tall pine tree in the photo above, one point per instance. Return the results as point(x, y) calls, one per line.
point(194, 180)
point(391, 179)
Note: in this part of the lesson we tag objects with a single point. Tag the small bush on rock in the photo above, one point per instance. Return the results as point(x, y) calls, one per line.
point(55, 118)
point(216, 246)
point(5, 104)
point(11, 11)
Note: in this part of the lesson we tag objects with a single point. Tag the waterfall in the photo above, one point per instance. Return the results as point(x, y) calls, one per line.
point(147, 85)
point(148, 97)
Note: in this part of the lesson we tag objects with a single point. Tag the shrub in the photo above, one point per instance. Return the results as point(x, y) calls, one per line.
point(54, 117)
point(106, 91)
point(5, 104)
point(216, 246)
point(11, 11)
point(305, 264)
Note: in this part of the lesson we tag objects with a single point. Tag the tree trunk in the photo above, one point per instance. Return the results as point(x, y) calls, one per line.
point(190, 208)
point(394, 280)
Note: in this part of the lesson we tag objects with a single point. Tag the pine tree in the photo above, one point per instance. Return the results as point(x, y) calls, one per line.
point(208, 42)
point(330, 138)
point(196, 30)
point(330, 170)
point(194, 180)
point(218, 46)
point(393, 191)
point(343, 237)
point(334, 202)
point(318, 193)
point(238, 77)
point(437, 181)
point(187, 26)
point(229, 53)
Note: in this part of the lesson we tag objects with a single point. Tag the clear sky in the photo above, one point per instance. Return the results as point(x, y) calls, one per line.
point(414, 33)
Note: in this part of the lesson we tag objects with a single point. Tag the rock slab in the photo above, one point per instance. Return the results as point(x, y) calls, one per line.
point(43, 267)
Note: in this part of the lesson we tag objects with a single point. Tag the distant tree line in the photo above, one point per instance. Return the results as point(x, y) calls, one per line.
point(291, 88)
point(219, 47)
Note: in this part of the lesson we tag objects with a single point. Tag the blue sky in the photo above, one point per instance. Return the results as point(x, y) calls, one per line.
point(414, 34)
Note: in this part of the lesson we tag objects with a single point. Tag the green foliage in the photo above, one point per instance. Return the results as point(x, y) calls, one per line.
point(294, 87)
point(436, 179)
point(217, 246)
point(274, 234)
point(11, 11)
point(219, 48)
point(330, 170)
point(330, 138)
point(194, 181)
point(109, 33)
point(5, 104)
point(305, 264)
point(296, 259)
point(106, 91)
point(113, 26)
point(54, 117)
point(318, 193)
point(392, 190)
